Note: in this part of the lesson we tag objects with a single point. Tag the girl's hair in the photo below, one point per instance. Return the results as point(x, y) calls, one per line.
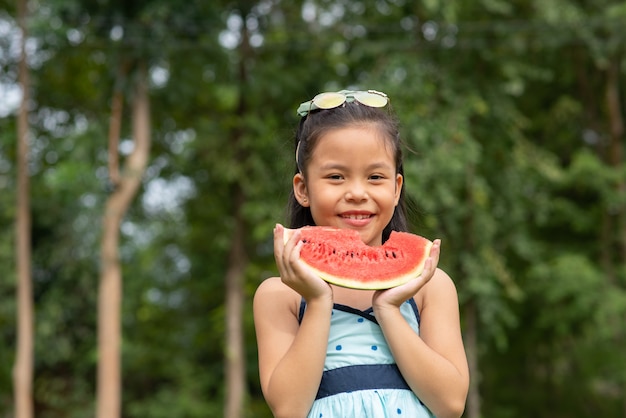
point(317, 123)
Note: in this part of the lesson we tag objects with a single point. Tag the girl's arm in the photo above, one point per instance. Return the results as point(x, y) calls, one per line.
point(291, 355)
point(433, 363)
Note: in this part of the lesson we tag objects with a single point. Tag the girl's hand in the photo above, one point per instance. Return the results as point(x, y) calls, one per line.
point(293, 272)
point(395, 296)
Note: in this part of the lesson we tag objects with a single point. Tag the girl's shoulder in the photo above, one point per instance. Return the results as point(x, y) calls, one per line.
point(273, 294)
point(441, 278)
point(440, 285)
point(269, 283)
point(275, 286)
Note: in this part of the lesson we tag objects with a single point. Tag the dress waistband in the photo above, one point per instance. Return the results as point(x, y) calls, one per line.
point(361, 377)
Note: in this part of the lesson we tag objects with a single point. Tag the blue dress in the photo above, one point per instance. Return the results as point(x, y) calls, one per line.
point(360, 376)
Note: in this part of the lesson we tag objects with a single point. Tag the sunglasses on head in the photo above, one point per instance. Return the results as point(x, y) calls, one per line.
point(331, 100)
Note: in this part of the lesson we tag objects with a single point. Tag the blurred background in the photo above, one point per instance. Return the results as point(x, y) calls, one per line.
point(513, 117)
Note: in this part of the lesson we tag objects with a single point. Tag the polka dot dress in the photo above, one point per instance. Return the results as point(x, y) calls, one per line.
point(360, 376)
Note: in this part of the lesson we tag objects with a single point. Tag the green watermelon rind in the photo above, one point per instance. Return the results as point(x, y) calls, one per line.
point(393, 278)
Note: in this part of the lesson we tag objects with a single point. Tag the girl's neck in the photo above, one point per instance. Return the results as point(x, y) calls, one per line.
point(359, 299)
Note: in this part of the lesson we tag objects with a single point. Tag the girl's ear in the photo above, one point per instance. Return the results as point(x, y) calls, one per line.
point(300, 191)
point(399, 182)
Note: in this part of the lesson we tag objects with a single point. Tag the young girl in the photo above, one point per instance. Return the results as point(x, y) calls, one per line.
point(332, 352)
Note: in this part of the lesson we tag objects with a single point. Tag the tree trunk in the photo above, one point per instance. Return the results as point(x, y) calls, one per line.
point(594, 119)
point(23, 369)
point(470, 331)
point(110, 292)
point(235, 356)
point(616, 148)
point(470, 334)
point(115, 127)
point(616, 160)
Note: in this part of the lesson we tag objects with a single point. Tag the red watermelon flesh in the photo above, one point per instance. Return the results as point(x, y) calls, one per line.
point(340, 257)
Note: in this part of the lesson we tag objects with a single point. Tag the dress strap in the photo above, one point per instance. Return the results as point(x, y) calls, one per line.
point(302, 309)
point(416, 311)
point(411, 302)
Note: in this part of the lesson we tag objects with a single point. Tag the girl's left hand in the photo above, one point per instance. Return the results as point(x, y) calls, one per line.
point(400, 294)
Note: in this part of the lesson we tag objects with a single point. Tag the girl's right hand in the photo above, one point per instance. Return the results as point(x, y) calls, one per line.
point(395, 296)
point(293, 272)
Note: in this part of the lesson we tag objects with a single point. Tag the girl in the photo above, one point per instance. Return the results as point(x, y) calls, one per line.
point(332, 352)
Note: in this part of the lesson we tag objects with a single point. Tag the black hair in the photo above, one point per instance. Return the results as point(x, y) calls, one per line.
point(316, 124)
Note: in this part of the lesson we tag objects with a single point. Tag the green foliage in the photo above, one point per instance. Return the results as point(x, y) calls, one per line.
point(504, 119)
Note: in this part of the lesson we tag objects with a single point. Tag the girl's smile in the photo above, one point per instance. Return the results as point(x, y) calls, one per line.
point(351, 181)
point(356, 220)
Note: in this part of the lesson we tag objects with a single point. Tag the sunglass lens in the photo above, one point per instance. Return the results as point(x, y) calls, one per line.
point(329, 100)
point(371, 99)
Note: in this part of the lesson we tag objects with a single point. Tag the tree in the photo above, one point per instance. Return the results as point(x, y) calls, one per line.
point(110, 292)
point(23, 371)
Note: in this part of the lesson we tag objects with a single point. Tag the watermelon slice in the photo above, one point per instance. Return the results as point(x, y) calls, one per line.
point(340, 257)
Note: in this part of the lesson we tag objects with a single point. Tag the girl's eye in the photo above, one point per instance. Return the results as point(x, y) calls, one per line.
point(376, 177)
point(335, 176)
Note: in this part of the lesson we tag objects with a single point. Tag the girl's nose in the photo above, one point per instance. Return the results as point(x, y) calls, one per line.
point(356, 192)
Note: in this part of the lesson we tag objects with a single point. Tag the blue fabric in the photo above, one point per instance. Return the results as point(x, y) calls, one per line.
point(360, 376)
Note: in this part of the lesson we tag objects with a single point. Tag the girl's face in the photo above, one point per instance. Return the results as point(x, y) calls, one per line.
point(351, 182)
